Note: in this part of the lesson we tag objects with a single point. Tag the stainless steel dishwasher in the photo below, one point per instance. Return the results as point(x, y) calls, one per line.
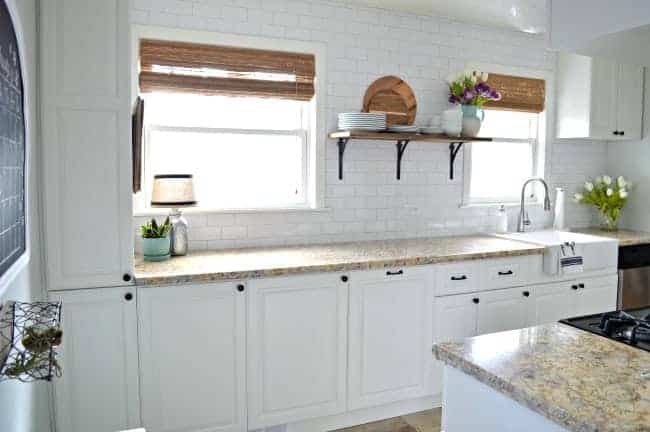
point(633, 276)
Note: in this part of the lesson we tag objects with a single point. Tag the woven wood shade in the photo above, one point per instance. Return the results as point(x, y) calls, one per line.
point(190, 68)
point(517, 93)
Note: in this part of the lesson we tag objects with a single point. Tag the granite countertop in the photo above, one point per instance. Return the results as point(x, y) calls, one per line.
point(581, 381)
point(624, 237)
point(273, 261)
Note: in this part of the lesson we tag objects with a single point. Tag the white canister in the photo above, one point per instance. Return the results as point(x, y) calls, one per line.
point(452, 121)
point(502, 220)
point(559, 220)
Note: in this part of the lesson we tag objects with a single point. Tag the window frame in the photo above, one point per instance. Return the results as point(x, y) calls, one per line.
point(540, 151)
point(314, 114)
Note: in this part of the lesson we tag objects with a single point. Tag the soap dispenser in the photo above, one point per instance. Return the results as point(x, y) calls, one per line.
point(502, 220)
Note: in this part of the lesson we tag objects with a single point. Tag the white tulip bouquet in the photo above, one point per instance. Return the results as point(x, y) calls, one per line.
point(608, 195)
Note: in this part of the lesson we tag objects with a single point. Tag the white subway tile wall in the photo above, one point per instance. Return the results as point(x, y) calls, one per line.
point(362, 45)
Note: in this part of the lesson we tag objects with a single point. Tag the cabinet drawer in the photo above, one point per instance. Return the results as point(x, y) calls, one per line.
point(457, 278)
point(504, 272)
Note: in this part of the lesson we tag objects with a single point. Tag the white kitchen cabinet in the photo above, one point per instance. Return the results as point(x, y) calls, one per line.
point(455, 317)
point(502, 310)
point(390, 328)
point(594, 295)
point(297, 348)
point(551, 302)
point(598, 99)
point(192, 358)
point(99, 388)
point(85, 113)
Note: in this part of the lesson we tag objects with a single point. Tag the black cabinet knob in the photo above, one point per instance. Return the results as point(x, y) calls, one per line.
point(476, 300)
point(126, 277)
point(526, 293)
point(241, 287)
point(128, 296)
point(615, 132)
point(621, 133)
point(344, 278)
point(581, 285)
point(574, 287)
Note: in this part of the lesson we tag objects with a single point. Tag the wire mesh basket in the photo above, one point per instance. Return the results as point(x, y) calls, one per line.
point(29, 335)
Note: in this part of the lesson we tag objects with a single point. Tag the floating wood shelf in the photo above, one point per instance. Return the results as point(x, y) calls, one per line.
point(402, 140)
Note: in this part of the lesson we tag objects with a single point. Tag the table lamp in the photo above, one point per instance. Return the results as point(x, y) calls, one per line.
point(174, 191)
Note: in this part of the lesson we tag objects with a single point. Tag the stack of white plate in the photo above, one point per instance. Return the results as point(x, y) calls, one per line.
point(403, 128)
point(362, 121)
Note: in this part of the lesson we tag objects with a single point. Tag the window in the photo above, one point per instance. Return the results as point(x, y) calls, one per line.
point(241, 120)
point(495, 171)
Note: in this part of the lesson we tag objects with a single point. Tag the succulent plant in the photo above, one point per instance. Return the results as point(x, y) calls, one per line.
point(152, 229)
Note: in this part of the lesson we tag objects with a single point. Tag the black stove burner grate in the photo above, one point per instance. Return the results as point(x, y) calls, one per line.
point(631, 327)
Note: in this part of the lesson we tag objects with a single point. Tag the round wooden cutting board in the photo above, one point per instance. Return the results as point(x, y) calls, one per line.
point(392, 95)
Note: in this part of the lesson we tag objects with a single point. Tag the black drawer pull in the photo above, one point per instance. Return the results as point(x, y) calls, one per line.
point(459, 278)
point(506, 273)
point(574, 287)
point(476, 300)
point(581, 285)
point(395, 273)
point(526, 293)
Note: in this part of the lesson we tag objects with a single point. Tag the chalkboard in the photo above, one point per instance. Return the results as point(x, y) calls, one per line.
point(12, 146)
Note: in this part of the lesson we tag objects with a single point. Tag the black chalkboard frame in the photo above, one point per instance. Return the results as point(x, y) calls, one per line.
point(14, 249)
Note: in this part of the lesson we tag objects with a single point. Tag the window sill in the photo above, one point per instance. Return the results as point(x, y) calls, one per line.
point(195, 211)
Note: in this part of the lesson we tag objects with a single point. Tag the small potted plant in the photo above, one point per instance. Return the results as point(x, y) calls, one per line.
point(155, 240)
point(608, 196)
point(471, 91)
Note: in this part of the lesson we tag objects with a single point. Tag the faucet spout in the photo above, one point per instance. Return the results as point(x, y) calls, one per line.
point(523, 219)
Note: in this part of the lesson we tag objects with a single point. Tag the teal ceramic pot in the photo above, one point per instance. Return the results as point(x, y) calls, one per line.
point(156, 249)
point(472, 119)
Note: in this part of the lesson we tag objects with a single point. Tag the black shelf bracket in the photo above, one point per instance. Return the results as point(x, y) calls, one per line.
point(401, 148)
point(454, 148)
point(342, 142)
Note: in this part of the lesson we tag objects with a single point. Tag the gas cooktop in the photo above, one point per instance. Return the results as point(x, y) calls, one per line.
point(631, 327)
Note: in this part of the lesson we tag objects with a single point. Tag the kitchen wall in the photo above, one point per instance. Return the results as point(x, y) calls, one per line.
point(362, 45)
point(25, 407)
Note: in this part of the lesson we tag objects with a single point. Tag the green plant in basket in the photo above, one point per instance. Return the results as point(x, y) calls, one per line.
point(609, 196)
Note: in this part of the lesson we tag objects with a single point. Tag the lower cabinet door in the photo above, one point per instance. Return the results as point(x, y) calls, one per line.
point(192, 358)
point(98, 391)
point(502, 310)
point(455, 317)
point(297, 348)
point(550, 303)
point(595, 295)
point(390, 336)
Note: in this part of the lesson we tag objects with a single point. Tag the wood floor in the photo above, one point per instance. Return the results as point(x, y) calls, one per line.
point(425, 421)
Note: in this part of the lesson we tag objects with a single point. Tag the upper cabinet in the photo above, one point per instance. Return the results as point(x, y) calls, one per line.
point(86, 142)
point(599, 99)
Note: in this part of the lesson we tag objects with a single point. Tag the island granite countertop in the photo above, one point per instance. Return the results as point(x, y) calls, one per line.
point(205, 266)
point(581, 381)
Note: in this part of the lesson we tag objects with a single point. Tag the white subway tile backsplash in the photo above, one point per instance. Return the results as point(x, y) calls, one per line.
point(364, 43)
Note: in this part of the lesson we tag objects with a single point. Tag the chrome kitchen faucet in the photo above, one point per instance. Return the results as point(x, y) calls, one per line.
point(524, 221)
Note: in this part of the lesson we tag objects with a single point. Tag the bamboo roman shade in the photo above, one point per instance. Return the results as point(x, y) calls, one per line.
point(227, 71)
point(517, 93)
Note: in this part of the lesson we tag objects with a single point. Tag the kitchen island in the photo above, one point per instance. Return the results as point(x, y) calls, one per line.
point(547, 378)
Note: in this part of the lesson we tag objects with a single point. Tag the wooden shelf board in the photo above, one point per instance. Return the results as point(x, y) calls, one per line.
point(394, 136)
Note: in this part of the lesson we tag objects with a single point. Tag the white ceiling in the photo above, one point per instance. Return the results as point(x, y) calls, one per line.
point(524, 15)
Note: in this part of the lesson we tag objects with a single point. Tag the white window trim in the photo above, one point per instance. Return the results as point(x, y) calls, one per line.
point(541, 152)
point(315, 184)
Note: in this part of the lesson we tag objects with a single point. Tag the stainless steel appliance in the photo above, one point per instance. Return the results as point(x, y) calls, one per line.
point(634, 276)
